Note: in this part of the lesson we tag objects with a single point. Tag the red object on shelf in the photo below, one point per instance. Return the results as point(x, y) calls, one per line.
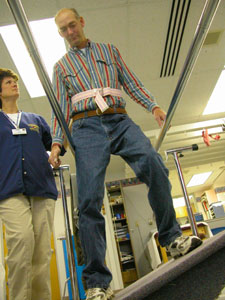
point(206, 137)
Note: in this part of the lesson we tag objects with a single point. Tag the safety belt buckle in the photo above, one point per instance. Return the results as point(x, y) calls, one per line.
point(98, 111)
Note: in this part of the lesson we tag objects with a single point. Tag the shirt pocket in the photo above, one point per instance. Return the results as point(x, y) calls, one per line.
point(72, 81)
point(108, 72)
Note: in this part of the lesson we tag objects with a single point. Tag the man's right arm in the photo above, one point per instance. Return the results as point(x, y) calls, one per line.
point(64, 102)
point(54, 159)
point(63, 98)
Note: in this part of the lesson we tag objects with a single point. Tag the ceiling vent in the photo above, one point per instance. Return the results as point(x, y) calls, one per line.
point(212, 38)
point(176, 27)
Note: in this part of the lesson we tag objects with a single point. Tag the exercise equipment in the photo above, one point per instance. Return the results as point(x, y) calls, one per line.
point(176, 153)
point(202, 29)
point(69, 240)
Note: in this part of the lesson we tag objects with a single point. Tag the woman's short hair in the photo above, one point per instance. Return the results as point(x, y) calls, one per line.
point(6, 73)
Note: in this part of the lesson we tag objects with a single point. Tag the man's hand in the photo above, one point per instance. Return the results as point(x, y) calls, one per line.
point(54, 156)
point(159, 115)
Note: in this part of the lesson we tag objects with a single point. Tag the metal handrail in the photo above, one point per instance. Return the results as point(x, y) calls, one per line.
point(69, 242)
point(176, 152)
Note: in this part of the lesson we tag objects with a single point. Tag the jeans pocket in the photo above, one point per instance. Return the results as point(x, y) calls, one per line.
point(77, 125)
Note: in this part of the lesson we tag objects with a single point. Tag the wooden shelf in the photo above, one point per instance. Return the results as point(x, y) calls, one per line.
point(116, 204)
point(124, 244)
point(122, 240)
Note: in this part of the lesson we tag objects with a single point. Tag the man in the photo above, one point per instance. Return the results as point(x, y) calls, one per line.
point(87, 81)
point(27, 194)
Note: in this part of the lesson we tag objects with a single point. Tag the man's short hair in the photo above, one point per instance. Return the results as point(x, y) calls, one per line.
point(6, 73)
point(71, 9)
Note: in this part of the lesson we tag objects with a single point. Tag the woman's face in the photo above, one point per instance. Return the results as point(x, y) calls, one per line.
point(9, 88)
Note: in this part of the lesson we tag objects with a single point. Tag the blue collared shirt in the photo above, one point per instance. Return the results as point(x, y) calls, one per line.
point(24, 166)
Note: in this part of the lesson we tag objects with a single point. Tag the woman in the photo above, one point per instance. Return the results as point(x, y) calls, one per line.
point(27, 194)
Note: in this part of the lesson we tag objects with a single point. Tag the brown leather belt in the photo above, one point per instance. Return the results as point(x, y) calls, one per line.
point(97, 112)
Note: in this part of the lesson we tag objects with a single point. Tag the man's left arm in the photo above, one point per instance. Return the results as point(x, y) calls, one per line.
point(136, 90)
point(159, 115)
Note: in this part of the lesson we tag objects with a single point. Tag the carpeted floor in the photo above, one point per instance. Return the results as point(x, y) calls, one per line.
point(199, 275)
point(202, 282)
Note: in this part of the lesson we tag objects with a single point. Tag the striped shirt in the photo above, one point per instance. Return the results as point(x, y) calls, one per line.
point(96, 66)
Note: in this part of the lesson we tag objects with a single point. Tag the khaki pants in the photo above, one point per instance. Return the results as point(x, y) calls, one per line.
point(28, 223)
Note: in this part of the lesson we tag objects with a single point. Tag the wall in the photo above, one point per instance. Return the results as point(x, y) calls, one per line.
point(141, 224)
point(216, 193)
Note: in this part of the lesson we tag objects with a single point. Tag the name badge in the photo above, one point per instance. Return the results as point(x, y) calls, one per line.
point(19, 131)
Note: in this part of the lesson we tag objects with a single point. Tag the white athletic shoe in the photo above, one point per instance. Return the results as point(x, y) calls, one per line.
point(109, 293)
point(99, 294)
point(182, 245)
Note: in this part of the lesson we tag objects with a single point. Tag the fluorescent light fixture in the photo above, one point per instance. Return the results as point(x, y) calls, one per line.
point(50, 46)
point(199, 179)
point(178, 202)
point(216, 102)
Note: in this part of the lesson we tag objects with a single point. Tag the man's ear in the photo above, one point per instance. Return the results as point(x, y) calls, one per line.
point(82, 22)
point(60, 33)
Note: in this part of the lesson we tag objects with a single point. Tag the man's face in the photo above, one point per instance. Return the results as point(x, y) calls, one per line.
point(9, 88)
point(71, 28)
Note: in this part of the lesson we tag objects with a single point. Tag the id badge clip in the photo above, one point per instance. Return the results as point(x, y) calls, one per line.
point(19, 131)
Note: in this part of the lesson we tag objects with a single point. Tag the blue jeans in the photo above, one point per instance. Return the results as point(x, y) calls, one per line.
point(95, 139)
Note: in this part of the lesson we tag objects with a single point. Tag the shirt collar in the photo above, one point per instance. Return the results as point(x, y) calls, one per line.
point(75, 49)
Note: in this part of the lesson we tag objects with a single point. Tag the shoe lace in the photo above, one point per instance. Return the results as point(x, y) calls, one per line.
point(94, 292)
point(182, 240)
point(179, 241)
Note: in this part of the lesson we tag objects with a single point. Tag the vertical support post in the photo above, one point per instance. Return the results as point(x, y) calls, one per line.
point(69, 242)
point(186, 198)
point(175, 153)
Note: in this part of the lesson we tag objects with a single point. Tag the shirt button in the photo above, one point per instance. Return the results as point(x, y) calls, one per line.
point(24, 173)
point(23, 158)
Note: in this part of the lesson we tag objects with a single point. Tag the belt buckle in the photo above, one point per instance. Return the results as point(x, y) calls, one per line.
point(98, 112)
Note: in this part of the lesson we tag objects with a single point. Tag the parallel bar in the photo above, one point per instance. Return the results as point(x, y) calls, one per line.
point(186, 198)
point(200, 34)
point(24, 28)
point(175, 153)
point(69, 242)
point(193, 147)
